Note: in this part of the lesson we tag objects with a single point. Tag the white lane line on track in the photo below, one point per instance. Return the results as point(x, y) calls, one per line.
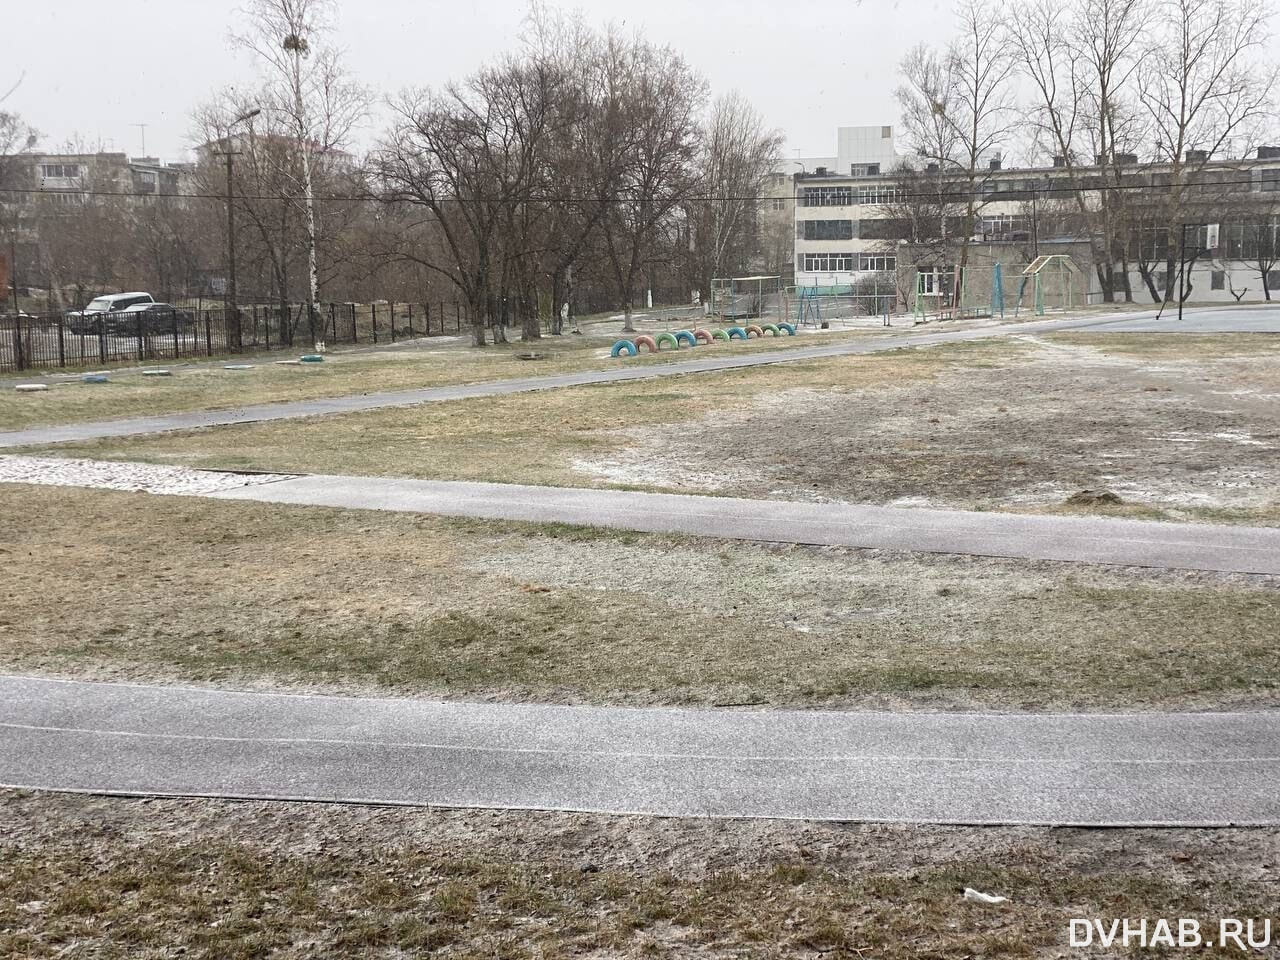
point(637, 755)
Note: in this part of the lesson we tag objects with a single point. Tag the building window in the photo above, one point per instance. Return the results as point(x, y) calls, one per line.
point(1270, 180)
point(1218, 280)
point(826, 196)
point(828, 229)
point(876, 262)
point(877, 193)
point(828, 262)
point(779, 203)
point(59, 171)
point(864, 169)
point(1273, 279)
point(933, 281)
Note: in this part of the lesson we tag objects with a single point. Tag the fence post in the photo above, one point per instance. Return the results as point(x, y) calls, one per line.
point(393, 321)
point(333, 320)
point(208, 335)
point(373, 319)
point(17, 342)
point(62, 347)
point(457, 317)
point(355, 338)
point(409, 307)
point(142, 343)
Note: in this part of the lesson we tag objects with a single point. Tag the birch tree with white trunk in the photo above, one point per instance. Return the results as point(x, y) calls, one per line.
point(306, 88)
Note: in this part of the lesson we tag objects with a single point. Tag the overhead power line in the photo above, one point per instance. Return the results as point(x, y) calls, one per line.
point(949, 196)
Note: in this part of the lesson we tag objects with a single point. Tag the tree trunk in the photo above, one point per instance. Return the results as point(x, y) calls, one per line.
point(557, 300)
point(627, 325)
point(479, 308)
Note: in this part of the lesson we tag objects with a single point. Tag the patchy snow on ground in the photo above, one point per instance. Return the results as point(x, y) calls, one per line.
point(112, 475)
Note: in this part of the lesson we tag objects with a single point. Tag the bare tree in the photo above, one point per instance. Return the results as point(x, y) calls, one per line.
point(1207, 87)
point(662, 97)
point(738, 153)
point(1082, 62)
point(957, 105)
point(305, 86)
point(466, 158)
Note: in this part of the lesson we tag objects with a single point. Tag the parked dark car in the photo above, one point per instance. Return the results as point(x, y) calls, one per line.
point(156, 318)
point(98, 317)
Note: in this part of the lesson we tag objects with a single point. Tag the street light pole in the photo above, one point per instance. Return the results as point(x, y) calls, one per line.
point(233, 307)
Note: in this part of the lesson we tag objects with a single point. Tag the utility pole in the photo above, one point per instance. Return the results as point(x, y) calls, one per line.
point(233, 308)
point(1182, 269)
point(13, 275)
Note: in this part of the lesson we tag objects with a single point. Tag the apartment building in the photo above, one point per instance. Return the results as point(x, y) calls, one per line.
point(71, 178)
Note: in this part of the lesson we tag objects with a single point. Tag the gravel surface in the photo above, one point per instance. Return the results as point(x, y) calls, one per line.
point(110, 475)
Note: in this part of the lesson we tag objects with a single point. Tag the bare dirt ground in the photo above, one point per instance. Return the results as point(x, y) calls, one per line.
point(1175, 425)
point(128, 585)
point(1178, 426)
point(117, 878)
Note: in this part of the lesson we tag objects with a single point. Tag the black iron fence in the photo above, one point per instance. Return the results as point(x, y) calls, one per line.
point(208, 328)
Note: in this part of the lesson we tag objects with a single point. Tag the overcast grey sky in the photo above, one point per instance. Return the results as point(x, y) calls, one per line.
point(94, 68)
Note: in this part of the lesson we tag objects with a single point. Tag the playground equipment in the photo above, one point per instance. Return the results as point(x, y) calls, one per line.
point(737, 333)
point(646, 341)
point(685, 336)
point(770, 328)
point(623, 346)
point(721, 335)
point(789, 328)
point(1056, 271)
point(756, 329)
point(668, 339)
point(311, 358)
point(702, 335)
point(741, 298)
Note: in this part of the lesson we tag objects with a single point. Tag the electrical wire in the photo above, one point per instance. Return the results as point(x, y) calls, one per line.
point(950, 196)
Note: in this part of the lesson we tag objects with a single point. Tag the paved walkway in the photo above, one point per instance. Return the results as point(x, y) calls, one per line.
point(1089, 770)
point(706, 362)
point(1027, 536)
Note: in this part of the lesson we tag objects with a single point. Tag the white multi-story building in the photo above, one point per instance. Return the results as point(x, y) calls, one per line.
point(850, 228)
point(830, 196)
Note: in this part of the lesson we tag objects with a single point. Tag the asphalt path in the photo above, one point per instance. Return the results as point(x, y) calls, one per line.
point(1103, 540)
point(705, 362)
point(1226, 319)
point(1081, 769)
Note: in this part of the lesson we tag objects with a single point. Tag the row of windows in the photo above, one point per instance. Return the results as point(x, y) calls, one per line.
point(65, 171)
point(872, 193)
point(844, 262)
point(828, 229)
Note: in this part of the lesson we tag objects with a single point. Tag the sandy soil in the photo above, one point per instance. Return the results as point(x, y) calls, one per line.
point(1192, 428)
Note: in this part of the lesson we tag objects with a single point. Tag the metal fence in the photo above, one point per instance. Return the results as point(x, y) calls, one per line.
point(207, 329)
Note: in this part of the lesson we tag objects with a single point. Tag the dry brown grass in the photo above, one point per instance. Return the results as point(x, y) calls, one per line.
point(207, 386)
point(132, 585)
point(534, 438)
point(142, 880)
